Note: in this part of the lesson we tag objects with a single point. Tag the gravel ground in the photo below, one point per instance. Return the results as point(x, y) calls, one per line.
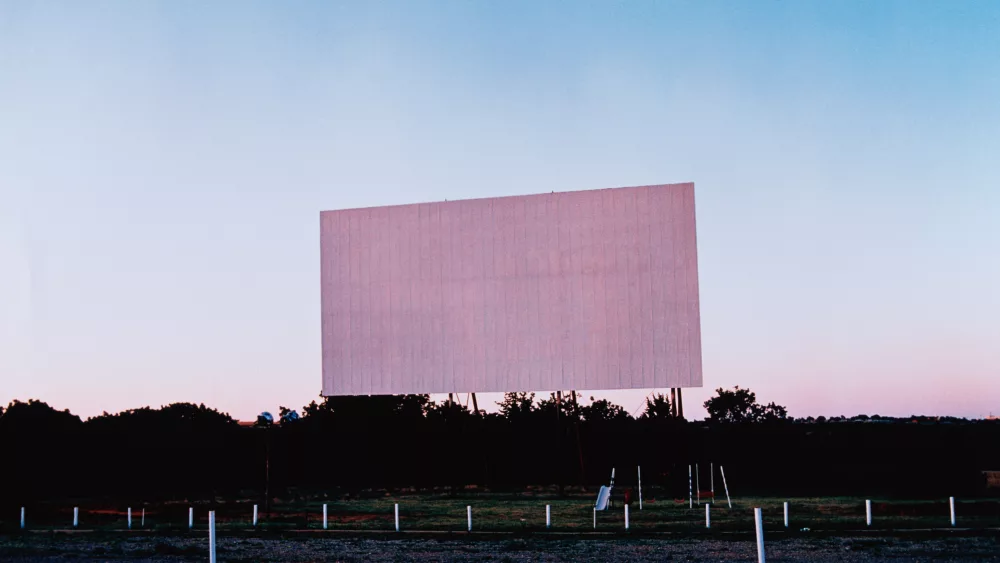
point(110, 547)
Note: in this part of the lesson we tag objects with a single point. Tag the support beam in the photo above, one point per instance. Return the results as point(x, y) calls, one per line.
point(475, 404)
point(680, 403)
point(579, 444)
point(673, 402)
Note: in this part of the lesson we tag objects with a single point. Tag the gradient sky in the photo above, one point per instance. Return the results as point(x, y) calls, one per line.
point(163, 165)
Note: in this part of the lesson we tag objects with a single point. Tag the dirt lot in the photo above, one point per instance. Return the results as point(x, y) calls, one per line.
point(332, 546)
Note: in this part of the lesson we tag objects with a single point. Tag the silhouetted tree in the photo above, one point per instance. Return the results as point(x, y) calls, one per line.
point(517, 406)
point(350, 443)
point(38, 415)
point(446, 411)
point(603, 410)
point(549, 407)
point(740, 406)
point(657, 408)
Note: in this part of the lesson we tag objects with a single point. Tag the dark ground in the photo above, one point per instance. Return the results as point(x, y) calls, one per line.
point(982, 546)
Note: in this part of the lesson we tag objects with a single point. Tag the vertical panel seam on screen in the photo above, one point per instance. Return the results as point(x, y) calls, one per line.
point(598, 330)
point(639, 275)
point(685, 258)
point(535, 279)
point(391, 332)
point(679, 258)
point(695, 353)
point(651, 302)
point(438, 306)
point(627, 243)
point(618, 317)
point(483, 306)
point(350, 305)
point(558, 296)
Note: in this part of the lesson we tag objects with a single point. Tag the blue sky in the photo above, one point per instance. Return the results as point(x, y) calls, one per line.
point(162, 166)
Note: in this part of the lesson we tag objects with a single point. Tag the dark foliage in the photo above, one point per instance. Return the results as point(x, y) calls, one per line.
point(741, 406)
point(189, 451)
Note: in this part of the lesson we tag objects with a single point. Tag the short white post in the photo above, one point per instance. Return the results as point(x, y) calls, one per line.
point(595, 518)
point(76, 516)
point(690, 491)
point(468, 511)
point(211, 536)
point(868, 512)
point(708, 516)
point(130, 518)
point(639, 472)
point(397, 516)
point(697, 484)
point(548, 515)
point(190, 518)
point(255, 516)
point(951, 504)
point(142, 523)
point(22, 517)
point(626, 516)
point(722, 470)
point(758, 521)
point(786, 514)
point(711, 478)
point(324, 517)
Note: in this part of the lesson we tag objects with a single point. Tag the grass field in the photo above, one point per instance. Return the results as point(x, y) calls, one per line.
point(506, 527)
point(516, 513)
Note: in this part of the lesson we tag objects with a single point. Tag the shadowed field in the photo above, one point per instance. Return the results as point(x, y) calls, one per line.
point(513, 513)
point(270, 546)
point(506, 527)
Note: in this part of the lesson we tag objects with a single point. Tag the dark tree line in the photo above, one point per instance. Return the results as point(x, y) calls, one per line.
point(186, 451)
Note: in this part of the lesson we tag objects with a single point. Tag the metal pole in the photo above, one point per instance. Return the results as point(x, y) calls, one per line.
point(142, 523)
point(130, 518)
point(190, 517)
point(722, 471)
point(697, 484)
point(468, 510)
point(639, 471)
point(576, 432)
point(690, 492)
point(548, 516)
point(211, 537)
point(324, 517)
point(595, 518)
point(626, 516)
point(708, 516)
point(786, 514)
point(951, 503)
point(758, 521)
point(22, 517)
point(255, 516)
point(76, 516)
point(397, 516)
point(868, 512)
